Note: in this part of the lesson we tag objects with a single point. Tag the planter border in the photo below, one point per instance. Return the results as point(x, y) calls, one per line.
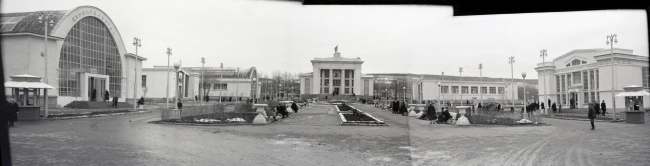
point(377, 122)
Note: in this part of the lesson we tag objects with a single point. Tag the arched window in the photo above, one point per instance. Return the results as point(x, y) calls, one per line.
point(89, 48)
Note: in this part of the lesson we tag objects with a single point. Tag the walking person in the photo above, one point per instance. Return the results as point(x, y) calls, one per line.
point(591, 115)
point(603, 107)
point(395, 106)
point(431, 113)
point(106, 94)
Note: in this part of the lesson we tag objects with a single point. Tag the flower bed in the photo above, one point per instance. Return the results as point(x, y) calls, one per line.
point(60, 113)
point(359, 118)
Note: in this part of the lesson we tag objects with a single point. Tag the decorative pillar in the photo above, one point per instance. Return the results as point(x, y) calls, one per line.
point(331, 81)
point(343, 81)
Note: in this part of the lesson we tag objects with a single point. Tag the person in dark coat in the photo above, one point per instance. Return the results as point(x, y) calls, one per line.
point(431, 113)
point(207, 98)
point(403, 110)
point(395, 107)
point(559, 108)
point(596, 107)
point(114, 102)
point(196, 97)
point(554, 107)
point(603, 107)
point(444, 116)
point(93, 95)
point(179, 104)
point(592, 115)
point(542, 105)
point(549, 103)
point(294, 107)
point(141, 101)
point(106, 96)
point(13, 112)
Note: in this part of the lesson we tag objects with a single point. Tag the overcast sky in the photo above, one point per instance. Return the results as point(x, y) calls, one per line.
point(390, 39)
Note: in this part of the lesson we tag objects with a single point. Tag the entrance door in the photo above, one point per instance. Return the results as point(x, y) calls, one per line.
point(98, 84)
point(336, 91)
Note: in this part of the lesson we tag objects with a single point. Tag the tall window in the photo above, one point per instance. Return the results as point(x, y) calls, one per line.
point(465, 89)
point(326, 83)
point(445, 89)
point(144, 80)
point(593, 97)
point(89, 48)
point(454, 89)
point(586, 97)
point(563, 84)
point(493, 90)
point(597, 81)
point(576, 77)
point(645, 76)
point(326, 90)
point(557, 84)
point(474, 90)
point(501, 90)
point(563, 99)
point(484, 90)
point(592, 79)
point(337, 82)
point(585, 80)
point(347, 82)
point(568, 80)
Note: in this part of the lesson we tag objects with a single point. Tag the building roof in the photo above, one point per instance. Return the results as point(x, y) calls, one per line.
point(449, 78)
point(133, 55)
point(226, 72)
point(28, 22)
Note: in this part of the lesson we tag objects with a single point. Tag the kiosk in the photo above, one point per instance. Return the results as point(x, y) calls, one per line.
point(26, 90)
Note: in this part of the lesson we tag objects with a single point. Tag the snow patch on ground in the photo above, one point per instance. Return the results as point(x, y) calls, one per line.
point(380, 158)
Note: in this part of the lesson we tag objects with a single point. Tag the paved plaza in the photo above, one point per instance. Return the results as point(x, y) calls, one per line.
point(315, 137)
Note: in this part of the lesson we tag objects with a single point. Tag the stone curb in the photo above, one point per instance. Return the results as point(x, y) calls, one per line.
point(98, 115)
point(208, 124)
point(580, 119)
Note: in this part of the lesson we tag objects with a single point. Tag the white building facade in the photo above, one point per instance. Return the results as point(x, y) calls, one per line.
point(336, 75)
point(85, 51)
point(585, 75)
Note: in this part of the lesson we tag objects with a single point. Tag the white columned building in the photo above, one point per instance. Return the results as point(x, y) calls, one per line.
point(585, 75)
point(336, 75)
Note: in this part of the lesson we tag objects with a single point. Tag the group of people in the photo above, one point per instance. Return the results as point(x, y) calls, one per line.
point(283, 110)
point(431, 115)
point(399, 108)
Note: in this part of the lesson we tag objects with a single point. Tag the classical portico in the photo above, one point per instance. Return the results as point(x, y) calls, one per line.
point(336, 75)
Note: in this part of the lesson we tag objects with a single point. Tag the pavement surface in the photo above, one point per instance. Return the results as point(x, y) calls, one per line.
point(314, 136)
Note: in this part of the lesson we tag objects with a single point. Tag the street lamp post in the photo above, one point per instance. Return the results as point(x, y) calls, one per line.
point(202, 80)
point(512, 79)
point(611, 40)
point(439, 92)
point(237, 92)
point(137, 43)
point(460, 70)
point(169, 54)
point(543, 54)
point(480, 68)
point(177, 65)
point(443, 80)
point(43, 19)
point(523, 74)
point(221, 77)
point(404, 94)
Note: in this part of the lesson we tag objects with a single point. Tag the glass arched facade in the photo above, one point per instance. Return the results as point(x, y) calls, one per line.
point(89, 48)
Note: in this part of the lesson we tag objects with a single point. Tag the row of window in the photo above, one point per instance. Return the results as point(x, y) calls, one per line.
point(474, 90)
point(221, 86)
point(325, 73)
point(89, 48)
point(588, 78)
point(645, 73)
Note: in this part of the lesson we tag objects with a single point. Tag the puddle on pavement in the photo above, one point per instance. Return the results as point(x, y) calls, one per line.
point(408, 147)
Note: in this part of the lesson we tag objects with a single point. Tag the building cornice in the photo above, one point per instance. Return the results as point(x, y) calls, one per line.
point(31, 34)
